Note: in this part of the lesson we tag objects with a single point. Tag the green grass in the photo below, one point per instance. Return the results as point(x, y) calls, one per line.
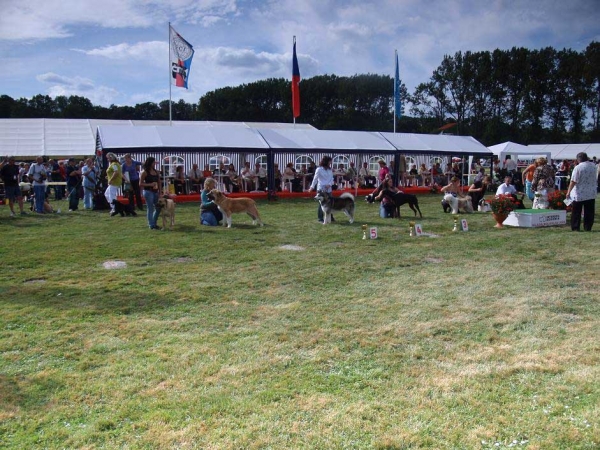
point(221, 338)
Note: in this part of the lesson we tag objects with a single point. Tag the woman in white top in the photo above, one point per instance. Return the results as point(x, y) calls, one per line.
point(323, 180)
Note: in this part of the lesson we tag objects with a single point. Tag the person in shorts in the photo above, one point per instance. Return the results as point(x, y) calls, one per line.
point(10, 176)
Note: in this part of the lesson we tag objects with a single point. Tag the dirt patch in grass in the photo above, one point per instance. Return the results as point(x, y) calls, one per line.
point(296, 248)
point(35, 281)
point(183, 259)
point(109, 265)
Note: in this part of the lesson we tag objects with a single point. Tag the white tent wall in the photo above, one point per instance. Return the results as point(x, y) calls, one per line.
point(230, 142)
point(560, 152)
point(518, 152)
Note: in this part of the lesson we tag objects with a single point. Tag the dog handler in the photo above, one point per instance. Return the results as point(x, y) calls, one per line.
point(150, 183)
point(114, 177)
point(582, 190)
point(323, 180)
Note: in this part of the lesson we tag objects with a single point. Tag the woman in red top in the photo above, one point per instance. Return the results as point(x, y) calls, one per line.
point(383, 170)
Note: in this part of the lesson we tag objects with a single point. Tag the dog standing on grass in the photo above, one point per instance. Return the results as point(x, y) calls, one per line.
point(398, 199)
point(329, 203)
point(167, 211)
point(229, 206)
point(122, 209)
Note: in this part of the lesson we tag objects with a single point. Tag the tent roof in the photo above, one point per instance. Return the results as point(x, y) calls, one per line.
point(437, 143)
point(326, 140)
point(119, 137)
point(568, 151)
point(510, 148)
point(77, 137)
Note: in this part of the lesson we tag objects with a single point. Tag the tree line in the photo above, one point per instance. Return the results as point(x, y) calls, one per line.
point(520, 95)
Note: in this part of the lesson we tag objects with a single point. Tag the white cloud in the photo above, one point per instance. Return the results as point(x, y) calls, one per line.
point(50, 19)
point(67, 86)
point(152, 52)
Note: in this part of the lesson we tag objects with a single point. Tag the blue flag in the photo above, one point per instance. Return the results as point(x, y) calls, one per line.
point(397, 101)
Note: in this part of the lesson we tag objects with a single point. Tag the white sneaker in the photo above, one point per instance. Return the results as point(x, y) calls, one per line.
point(12, 214)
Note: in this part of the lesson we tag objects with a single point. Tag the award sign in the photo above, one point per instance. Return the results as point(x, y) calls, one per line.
point(418, 229)
point(373, 232)
point(464, 225)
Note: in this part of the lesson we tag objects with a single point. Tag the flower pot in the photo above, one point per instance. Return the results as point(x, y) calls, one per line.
point(499, 218)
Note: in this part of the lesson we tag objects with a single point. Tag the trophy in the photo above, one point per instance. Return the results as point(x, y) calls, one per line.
point(411, 227)
point(364, 228)
point(455, 224)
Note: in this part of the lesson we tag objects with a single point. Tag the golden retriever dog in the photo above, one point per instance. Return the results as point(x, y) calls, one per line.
point(167, 211)
point(229, 206)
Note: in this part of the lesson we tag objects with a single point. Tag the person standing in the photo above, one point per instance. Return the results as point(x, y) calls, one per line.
point(510, 165)
point(90, 178)
point(37, 173)
point(582, 190)
point(528, 179)
point(73, 179)
point(543, 176)
point(150, 182)
point(114, 178)
point(10, 176)
point(131, 168)
point(322, 181)
point(383, 170)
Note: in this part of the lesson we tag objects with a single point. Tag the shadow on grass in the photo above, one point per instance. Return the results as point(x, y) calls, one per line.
point(83, 301)
point(14, 389)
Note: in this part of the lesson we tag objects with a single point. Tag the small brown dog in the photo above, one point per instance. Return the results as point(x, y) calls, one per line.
point(167, 211)
point(229, 206)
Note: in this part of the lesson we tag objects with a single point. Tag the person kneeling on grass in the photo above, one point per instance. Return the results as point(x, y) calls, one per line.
point(210, 214)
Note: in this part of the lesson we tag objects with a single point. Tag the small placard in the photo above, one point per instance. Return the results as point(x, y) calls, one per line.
point(418, 229)
point(373, 232)
point(464, 224)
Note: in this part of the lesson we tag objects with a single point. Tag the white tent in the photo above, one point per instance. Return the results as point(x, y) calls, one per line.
point(517, 150)
point(28, 138)
point(568, 151)
point(437, 144)
point(117, 138)
point(326, 140)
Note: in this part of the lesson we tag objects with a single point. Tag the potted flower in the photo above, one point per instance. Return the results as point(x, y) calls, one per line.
point(501, 206)
point(556, 200)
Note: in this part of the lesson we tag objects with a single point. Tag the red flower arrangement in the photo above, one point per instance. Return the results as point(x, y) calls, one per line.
point(502, 204)
point(556, 200)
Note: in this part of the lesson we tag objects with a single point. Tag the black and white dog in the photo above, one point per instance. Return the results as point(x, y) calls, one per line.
point(329, 203)
point(398, 199)
point(122, 208)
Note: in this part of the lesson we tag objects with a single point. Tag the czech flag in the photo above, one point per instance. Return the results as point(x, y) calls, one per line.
point(295, 84)
point(181, 54)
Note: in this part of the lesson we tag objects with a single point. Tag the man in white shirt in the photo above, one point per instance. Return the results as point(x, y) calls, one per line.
point(38, 174)
point(195, 177)
point(506, 187)
point(510, 165)
point(582, 190)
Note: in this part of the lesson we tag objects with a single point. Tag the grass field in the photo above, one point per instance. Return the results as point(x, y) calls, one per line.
point(297, 335)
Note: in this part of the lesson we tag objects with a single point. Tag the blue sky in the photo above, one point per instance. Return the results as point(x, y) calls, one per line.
point(116, 51)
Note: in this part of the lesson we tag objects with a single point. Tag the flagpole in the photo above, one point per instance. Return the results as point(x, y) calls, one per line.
point(293, 116)
point(395, 87)
point(169, 66)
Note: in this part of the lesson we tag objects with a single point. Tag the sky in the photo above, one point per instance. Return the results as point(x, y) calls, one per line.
point(116, 51)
